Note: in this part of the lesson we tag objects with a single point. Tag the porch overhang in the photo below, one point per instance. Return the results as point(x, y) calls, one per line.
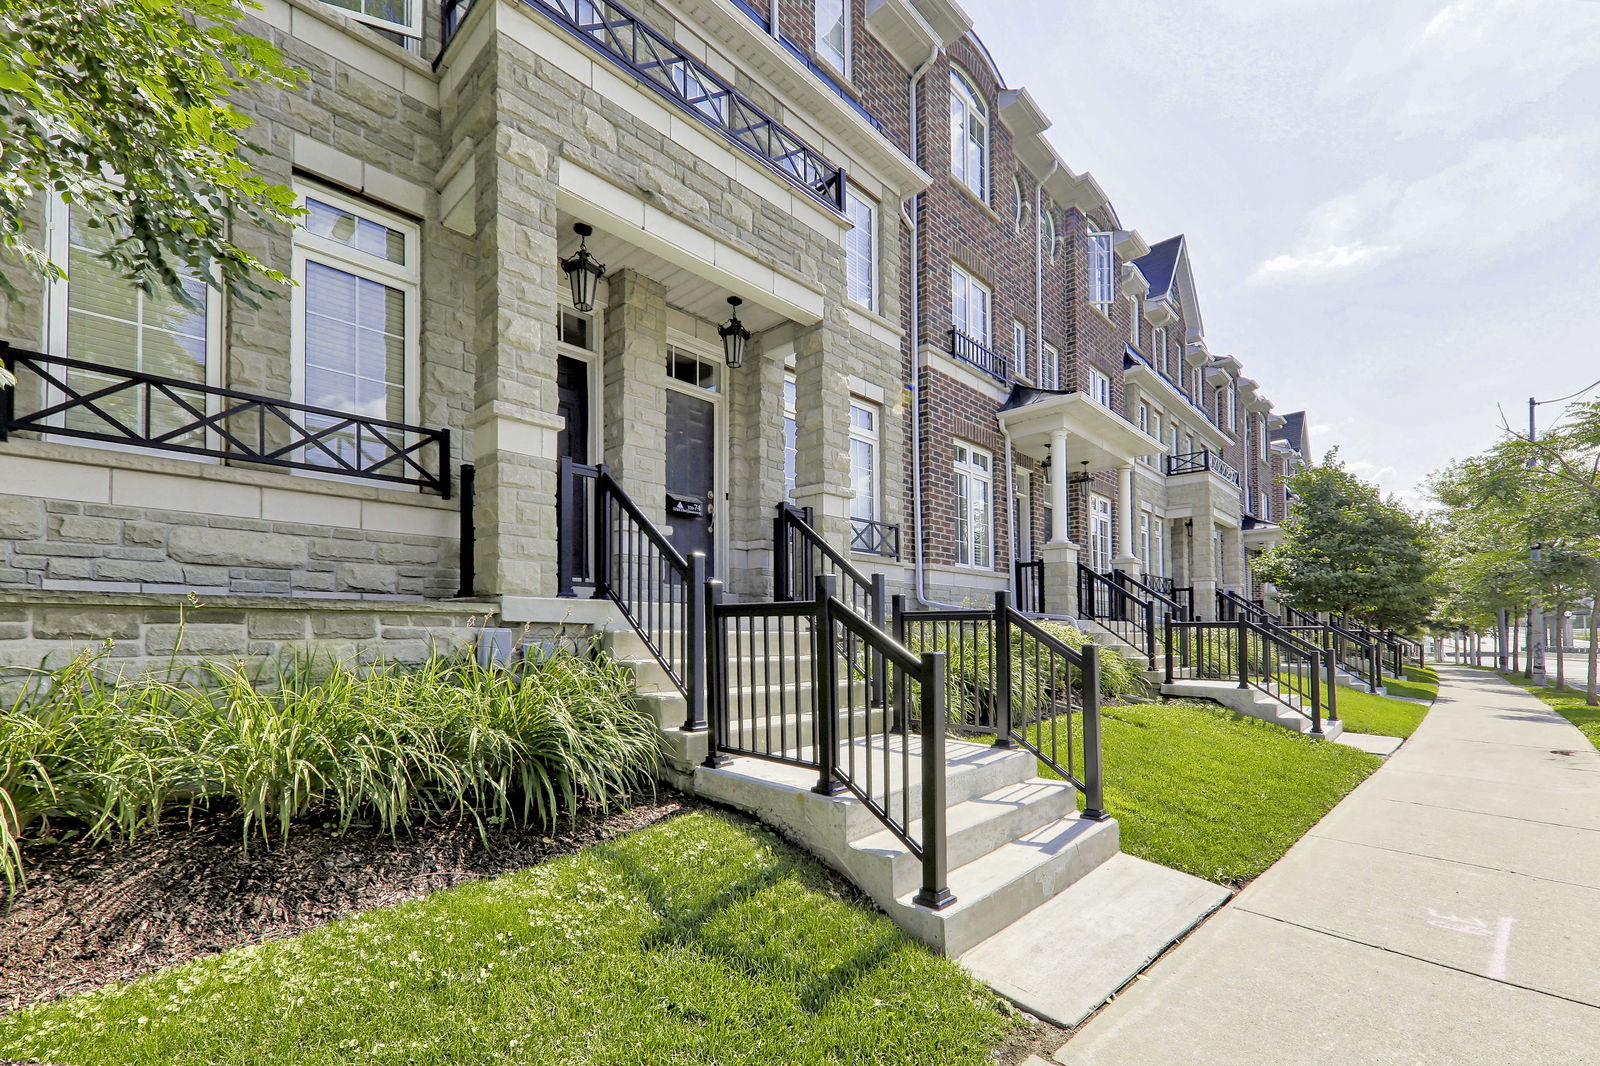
point(1258, 534)
point(1095, 433)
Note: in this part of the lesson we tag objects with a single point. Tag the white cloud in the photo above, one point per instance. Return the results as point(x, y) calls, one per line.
point(1319, 263)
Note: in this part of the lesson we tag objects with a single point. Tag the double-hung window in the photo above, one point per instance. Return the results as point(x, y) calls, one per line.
point(861, 250)
point(1100, 546)
point(1157, 566)
point(1099, 387)
point(1145, 542)
point(1102, 271)
point(833, 33)
point(1232, 407)
point(864, 460)
point(974, 522)
point(791, 434)
point(1019, 349)
point(355, 321)
point(1049, 368)
point(969, 305)
point(1158, 350)
point(969, 136)
point(398, 20)
point(1133, 321)
point(98, 317)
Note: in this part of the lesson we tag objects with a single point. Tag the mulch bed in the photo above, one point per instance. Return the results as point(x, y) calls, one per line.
point(92, 915)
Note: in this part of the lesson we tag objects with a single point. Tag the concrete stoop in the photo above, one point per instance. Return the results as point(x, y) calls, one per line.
point(1014, 840)
point(1071, 955)
point(1251, 702)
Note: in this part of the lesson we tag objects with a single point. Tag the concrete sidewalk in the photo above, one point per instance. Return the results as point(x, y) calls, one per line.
point(1447, 912)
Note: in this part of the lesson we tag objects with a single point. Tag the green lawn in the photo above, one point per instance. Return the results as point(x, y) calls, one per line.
point(1217, 794)
point(1367, 712)
point(1420, 683)
point(697, 940)
point(1569, 704)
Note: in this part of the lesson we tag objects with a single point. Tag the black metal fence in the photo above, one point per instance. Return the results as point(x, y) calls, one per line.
point(65, 397)
point(1165, 605)
point(974, 352)
point(801, 556)
point(1355, 654)
point(1231, 607)
point(1128, 616)
point(610, 545)
point(1296, 673)
point(1008, 676)
point(871, 722)
point(1199, 462)
point(870, 537)
point(1030, 586)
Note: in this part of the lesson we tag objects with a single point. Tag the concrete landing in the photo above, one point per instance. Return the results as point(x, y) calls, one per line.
point(1371, 743)
point(1065, 959)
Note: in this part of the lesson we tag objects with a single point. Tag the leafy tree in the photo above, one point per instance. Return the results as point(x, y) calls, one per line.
point(1347, 549)
point(119, 107)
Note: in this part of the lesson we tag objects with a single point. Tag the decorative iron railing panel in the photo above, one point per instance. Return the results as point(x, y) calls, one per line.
point(1164, 605)
point(629, 41)
point(871, 537)
point(975, 353)
point(64, 397)
point(1201, 461)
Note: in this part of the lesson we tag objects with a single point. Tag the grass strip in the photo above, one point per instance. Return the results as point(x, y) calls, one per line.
point(1367, 712)
point(698, 940)
point(1568, 703)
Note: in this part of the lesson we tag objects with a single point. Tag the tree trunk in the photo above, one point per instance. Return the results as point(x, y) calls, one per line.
point(1516, 658)
point(1593, 696)
point(1533, 642)
point(1561, 660)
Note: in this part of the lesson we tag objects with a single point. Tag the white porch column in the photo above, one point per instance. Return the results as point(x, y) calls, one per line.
point(1127, 559)
point(1058, 487)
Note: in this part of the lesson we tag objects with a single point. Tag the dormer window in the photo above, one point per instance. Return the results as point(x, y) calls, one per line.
point(969, 136)
point(833, 33)
point(398, 20)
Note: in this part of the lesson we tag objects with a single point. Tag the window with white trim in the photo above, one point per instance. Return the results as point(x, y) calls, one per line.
point(1158, 350)
point(1231, 406)
point(1049, 367)
point(833, 33)
point(355, 314)
point(1019, 349)
point(1099, 387)
point(969, 135)
point(1145, 537)
point(791, 434)
point(974, 485)
point(398, 20)
point(864, 418)
point(1133, 320)
point(1150, 422)
point(861, 250)
point(969, 305)
point(1100, 547)
point(98, 317)
point(1158, 546)
point(1102, 271)
point(1019, 211)
point(1049, 236)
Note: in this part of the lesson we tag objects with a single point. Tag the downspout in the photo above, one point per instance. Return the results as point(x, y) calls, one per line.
point(1038, 353)
point(919, 573)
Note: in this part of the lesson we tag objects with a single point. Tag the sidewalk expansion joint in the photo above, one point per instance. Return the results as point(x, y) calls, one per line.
point(1454, 862)
point(1494, 814)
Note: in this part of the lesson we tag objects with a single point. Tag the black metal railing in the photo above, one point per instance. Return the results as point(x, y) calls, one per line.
point(1201, 461)
point(872, 725)
point(609, 544)
point(1295, 673)
point(1182, 595)
point(1121, 611)
point(630, 42)
point(64, 397)
point(1356, 655)
point(1030, 586)
point(1164, 605)
point(871, 537)
point(801, 556)
point(1231, 607)
point(974, 352)
point(1293, 616)
point(1007, 676)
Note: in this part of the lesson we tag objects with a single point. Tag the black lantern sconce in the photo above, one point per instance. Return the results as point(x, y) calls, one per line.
point(734, 336)
point(1084, 478)
point(584, 271)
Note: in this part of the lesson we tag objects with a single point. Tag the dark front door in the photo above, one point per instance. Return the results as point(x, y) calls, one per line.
point(572, 404)
point(691, 472)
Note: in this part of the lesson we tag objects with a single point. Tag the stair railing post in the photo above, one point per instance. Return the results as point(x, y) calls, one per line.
point(780, 557)
point(1004, 700)
point(1316, 697)
point(1242, 629)
point(602, 532)
point(935, 892)
point(1332, 687)
point(825, 690)
point(1374, 667)
point(695, 619)
point(898, 720)
point(879, 665)
point(1094, 784)
point(716, 679)
point(1169, 650)
point(1149, 610)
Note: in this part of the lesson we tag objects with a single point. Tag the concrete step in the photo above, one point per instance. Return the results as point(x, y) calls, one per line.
point(973, 828)
point(1061, 961)
point(1252, 702)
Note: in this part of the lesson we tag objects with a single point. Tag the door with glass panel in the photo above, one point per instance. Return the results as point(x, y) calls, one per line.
point(1100, 548)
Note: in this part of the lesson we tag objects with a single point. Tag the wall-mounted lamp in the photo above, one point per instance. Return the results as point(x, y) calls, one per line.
point(734, 336)
point(1084, 478)
point(584, 271)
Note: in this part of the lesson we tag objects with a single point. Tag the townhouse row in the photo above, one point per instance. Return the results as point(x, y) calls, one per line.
point(804, 252)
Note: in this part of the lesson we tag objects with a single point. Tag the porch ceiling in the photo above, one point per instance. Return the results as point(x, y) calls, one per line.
point(1094, 433)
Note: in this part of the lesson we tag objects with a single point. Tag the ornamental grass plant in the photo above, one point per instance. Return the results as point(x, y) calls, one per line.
point(90, 753)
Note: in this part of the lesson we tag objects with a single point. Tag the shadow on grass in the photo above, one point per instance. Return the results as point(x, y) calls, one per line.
point(690, 925)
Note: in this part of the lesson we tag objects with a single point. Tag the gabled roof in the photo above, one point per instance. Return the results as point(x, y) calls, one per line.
point(1293, 432)
point(1160, 266)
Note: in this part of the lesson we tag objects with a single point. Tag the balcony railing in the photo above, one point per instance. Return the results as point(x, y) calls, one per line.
point(633, 44)
point(91, 401)
point(870, 537)
point(974, 352)
point(1201, 461)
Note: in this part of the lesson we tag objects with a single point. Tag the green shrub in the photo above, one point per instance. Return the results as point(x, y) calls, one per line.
point(88, 750)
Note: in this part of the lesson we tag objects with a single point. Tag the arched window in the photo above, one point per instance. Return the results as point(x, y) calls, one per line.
point(969, 135)
point(1048, 220)
point(1020, 208)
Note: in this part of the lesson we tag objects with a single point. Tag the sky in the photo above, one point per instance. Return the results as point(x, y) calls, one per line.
point(1392, 206)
